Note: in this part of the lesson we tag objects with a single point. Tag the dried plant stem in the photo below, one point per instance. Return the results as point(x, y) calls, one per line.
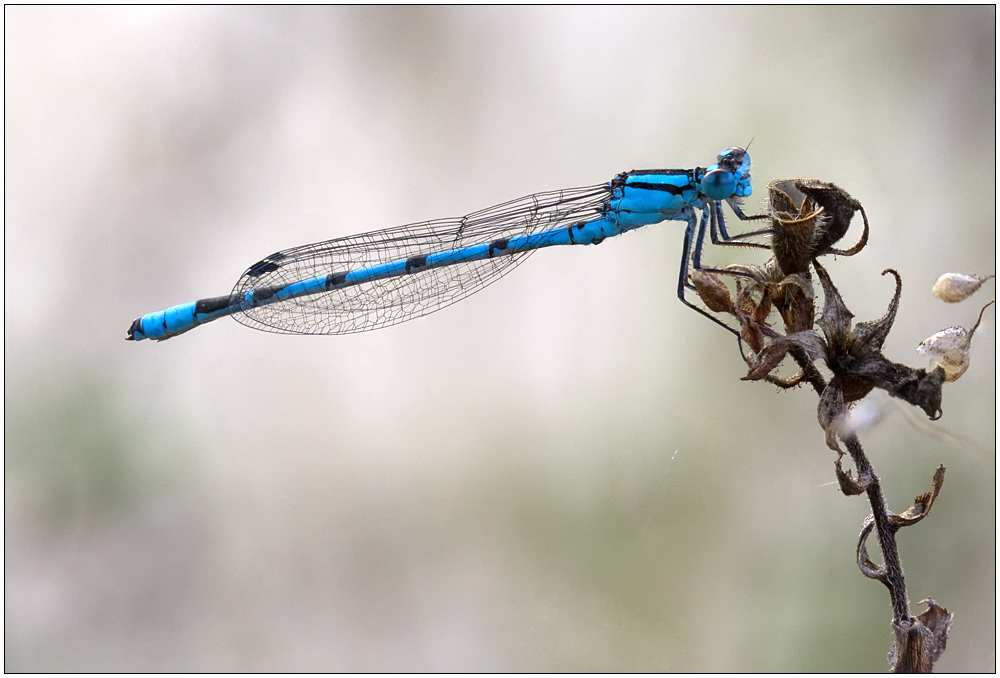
point(809, 370)
point(894, 579)
point(806, 222)
point(886, 530)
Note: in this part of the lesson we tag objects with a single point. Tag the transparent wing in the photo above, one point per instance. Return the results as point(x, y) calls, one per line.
point(379, 303)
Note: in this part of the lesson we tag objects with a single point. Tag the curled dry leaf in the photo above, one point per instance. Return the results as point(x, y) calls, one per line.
point(868, 568)
point(752, 271)
point(792, 295)
point(921, 643)
point(938, 621)
point(840, 206)
point(832, 412)
point(850, 486)
point(954, 287)
point(754, 300)
point(772, 354)
point(922, 504)
point(786, 382)
point(949, 348)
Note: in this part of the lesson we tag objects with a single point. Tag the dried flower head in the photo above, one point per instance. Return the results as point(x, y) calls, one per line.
point(808, 217)
point(853, 352)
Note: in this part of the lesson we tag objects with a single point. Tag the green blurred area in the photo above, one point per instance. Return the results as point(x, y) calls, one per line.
point(563, 473)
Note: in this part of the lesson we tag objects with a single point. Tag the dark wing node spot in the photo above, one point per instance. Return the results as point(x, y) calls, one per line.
point(261, 267)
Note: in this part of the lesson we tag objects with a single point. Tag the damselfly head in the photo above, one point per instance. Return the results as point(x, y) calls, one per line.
point(729, 177)
point(737, 161)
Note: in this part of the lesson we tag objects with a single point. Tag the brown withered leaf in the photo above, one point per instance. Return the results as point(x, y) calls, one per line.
point(750, 305)
point(938, 620)
point(752, 312)
point(922, 504)
point(848, 485)
point(791, 295)
point(767, 360)
point(772, 354)
point(795, 300)
point(832, 412)
point(758, 273)
point(921, 642)
point(786, 382)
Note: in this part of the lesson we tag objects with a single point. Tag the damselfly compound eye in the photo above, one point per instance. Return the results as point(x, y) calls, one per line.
point(718, 184)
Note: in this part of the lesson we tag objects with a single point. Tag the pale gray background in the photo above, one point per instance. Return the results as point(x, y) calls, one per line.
point(562, 472)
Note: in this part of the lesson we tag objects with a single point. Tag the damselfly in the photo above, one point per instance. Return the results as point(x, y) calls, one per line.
point(381, 278)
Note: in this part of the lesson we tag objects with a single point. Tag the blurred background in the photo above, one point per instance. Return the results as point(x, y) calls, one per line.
point(562, 472)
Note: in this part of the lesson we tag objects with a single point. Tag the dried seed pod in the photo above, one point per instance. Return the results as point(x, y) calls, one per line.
point(713, 292)
point(797, 222)
point(953, 287)
point(808, 217)
point(949, 349)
